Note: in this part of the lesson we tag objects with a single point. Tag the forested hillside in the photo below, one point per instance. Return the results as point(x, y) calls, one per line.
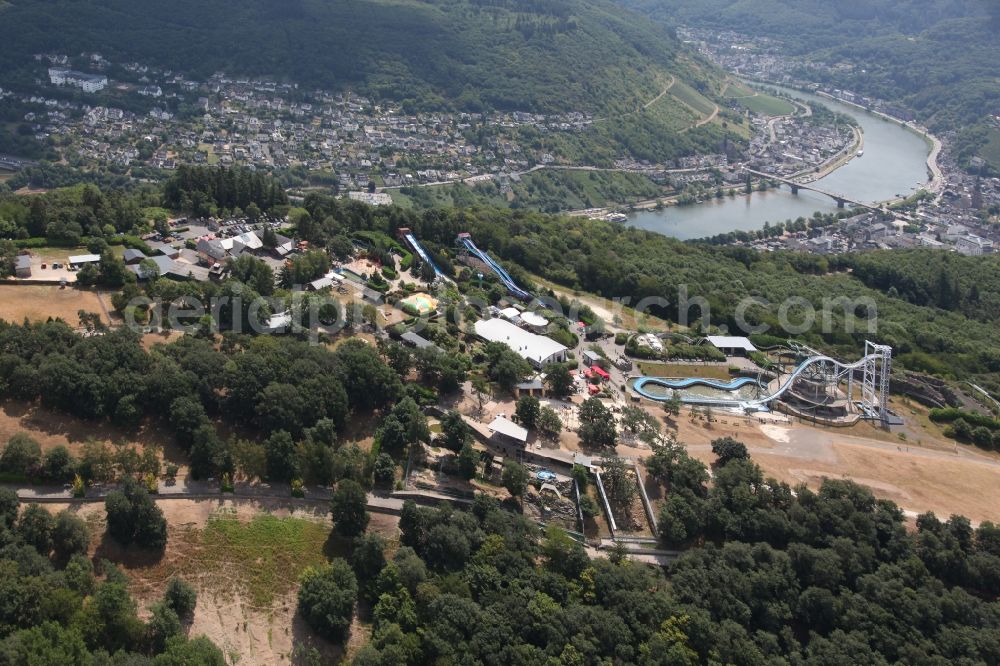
point(828, 577)
point(937, 57)
point(585, 55)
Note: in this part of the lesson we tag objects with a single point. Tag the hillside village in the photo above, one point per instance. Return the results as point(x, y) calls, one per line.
point(345, 139)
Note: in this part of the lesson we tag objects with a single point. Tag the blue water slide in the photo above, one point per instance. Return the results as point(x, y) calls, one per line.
point(691, 381)
point(735, 384)
point(418, 248)
point(504, 276)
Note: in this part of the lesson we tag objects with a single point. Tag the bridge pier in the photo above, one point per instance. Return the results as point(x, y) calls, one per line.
point(840, 202)
point(795, 188)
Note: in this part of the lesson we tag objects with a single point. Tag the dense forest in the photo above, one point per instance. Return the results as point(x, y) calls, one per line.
point(58, 608)
point(286, 397)
point(826, 577)
point(937, 57)
point(585, 55)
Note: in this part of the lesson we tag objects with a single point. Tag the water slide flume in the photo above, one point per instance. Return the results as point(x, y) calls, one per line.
point(465, 240)
point(679, 384)
point(419, 249)
point(874, 385)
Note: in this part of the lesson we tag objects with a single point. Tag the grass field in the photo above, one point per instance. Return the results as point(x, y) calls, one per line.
point(692, 98)
point(615, 314)
point(212, 158)
point(151, 211)
point(680, 370)
point(768, 105)
point(263, 558)
point(738, 89)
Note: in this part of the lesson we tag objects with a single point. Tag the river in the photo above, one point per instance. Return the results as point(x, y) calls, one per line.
point(894, 163)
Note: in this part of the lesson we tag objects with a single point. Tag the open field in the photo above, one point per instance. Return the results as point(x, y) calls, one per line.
point(737, 89)
point(39, 302)
point(767, 105)
point(244, 558)
point(935, 475)
point(615, 315)
point(691, 98)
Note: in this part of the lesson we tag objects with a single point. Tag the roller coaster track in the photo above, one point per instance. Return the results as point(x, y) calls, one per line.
point(505, 278)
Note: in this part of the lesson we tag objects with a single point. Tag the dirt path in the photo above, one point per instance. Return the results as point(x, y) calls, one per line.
point(710, 117)
point(644, 106)
point(704, 121)
point(660, 96)
point(104, 308)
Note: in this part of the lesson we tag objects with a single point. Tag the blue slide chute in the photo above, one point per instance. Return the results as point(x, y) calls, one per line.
point(422, 253)
point(466, 241)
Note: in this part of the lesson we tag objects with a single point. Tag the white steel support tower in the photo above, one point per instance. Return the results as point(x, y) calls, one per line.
point(875, 385)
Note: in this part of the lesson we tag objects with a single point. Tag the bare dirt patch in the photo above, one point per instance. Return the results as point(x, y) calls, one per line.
point(150, 340)
point(929, 477)
point(246, 573)
point(39, 302)
point(51, 428)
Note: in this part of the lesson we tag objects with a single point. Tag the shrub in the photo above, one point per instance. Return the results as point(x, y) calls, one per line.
point(59, 465)
point(180, 597)
point(21, 456)
point(133, 517)
point(70, 535)
point(326, 599)
point(350, 509)
point(35, 527)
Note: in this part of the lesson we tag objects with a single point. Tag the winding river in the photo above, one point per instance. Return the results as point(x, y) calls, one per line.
point(893, 163)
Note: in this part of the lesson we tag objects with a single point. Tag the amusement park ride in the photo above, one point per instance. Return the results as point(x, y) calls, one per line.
point(812, 389)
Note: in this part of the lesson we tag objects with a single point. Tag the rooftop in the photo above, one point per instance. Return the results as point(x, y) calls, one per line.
point(84, 258)
point(508, 428)
point(536, 348)
point(730, 342)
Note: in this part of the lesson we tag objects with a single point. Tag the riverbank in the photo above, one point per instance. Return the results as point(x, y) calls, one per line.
point(835, 162)
point(936, 178)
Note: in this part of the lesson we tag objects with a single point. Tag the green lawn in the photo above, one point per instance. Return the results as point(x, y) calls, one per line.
point(151, 211)
point(768, 105)
point(262, 558)
point(212, 158)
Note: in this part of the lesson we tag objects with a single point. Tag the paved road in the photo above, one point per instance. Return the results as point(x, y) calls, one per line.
point(208, 490)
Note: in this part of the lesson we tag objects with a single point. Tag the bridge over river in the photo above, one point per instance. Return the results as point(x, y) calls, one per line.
point(796, 186)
